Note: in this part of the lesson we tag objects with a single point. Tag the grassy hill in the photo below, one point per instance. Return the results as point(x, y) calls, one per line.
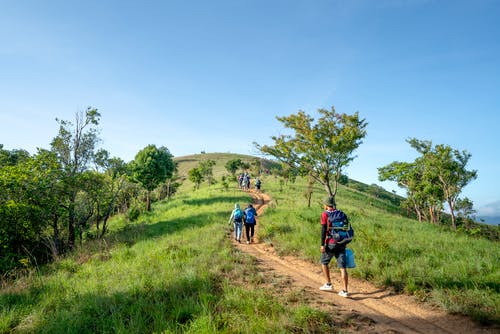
point(175, 271)
point(455, 271)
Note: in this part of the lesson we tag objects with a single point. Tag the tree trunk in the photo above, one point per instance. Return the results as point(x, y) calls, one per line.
point(71, 225)
point(57, 242)
point(452, 212)
point(148, 202)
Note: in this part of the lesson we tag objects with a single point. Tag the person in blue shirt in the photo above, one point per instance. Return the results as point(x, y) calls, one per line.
point(237, 220)
point(250, 222)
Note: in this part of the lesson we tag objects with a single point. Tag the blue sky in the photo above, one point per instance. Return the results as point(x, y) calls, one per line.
point(213, 75)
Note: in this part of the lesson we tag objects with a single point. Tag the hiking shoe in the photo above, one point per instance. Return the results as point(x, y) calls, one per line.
point(344, 294)
point(326, 287)
point(248, 242)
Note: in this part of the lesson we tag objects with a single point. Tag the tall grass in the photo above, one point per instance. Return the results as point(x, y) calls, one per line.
point(173, 272)
point(457, 272)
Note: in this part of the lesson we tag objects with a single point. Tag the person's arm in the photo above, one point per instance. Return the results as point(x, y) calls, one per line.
point(323, 234)
point(231, 218)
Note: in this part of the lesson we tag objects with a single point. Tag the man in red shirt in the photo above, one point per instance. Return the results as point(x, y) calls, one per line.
point(338, 251)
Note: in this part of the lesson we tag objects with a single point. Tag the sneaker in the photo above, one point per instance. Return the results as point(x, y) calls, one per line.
point(343, 293)
point(248, 242)
point(327, 287)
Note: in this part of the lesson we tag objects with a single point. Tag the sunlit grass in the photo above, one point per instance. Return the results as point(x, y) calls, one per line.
point(174, 271)
point(437, 265)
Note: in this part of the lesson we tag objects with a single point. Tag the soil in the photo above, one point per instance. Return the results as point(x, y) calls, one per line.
point(368, 309)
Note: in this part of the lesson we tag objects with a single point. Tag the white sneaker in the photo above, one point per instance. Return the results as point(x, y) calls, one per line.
point(344, 294)
point(326, 287)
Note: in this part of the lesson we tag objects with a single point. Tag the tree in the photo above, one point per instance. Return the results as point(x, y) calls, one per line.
point(151, 167)
point(28, 203)
point(233, 165)
point(438, 175)
point(195, 175)
point(320, 149)
point(448, 167)
point(206, 169)
point(74, 147)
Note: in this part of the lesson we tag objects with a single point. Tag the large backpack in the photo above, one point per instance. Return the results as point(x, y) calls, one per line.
point(250, 217)
point(238, 216)
point(339, 228)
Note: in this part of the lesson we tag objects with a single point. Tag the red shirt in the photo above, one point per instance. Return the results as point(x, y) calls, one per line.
point(324, 217)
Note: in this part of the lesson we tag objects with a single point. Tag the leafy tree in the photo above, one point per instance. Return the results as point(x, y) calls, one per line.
point(233, 165)
point(74, 147)
point(448, 168)
point(195, 175)
point(438, 175)
point(151, 167)
point(320, 149)
point(206, 169)
point(13, 157)
point(28, 203)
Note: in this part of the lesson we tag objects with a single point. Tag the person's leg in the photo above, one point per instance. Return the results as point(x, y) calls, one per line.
point(345, 278)
point(325, 260)
point(238, 229)
point(252, 230)
point(247, 231)
point(326, 273)
point(235, 224)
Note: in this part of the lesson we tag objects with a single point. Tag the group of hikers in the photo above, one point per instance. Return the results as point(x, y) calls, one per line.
point(336, 233)
point(244, 182)
point(241, 218)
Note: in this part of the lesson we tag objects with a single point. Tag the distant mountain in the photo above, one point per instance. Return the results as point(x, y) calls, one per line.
point(490, 220)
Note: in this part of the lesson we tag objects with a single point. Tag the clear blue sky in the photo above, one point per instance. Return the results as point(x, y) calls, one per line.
point(213, 75)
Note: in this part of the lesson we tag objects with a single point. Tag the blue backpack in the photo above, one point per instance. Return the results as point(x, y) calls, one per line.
point(339, 228)
point(250, 217)
point(238, 216)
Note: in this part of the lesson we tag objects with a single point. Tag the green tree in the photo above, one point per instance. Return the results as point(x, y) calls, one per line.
point(28, 203)
point(75, 148)
point(233, 165)
point(438, 175)
point(448, 168)
point(320, 149)
point(196, 176)
point(151, 167)
point(206, 169)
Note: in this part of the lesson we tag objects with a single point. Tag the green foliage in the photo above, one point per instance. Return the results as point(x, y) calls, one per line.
point(233, 165)
point(433, 263)
point(152, 166)
point(320, 149)
point(175, 272)
point(28, 203)
point(195, 175)
point(437, 176)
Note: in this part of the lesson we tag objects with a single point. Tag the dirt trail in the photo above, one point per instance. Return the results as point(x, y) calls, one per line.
point(369, 309)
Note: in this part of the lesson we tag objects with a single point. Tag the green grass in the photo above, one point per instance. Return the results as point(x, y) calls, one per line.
point(457, 272)
point(175, 271)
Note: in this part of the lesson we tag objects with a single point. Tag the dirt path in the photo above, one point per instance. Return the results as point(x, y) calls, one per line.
point(369, 309)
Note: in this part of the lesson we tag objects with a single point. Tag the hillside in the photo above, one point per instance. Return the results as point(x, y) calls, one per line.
point(420, 259)
point(185, 163)
point(177, 270)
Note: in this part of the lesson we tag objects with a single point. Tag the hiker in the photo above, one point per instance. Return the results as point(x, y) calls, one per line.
point(334, 246)
point(246, 182)
point(250, 222)
point(257, 184)
point(237, 220)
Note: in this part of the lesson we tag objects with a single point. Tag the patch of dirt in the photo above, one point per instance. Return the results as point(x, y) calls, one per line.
point(368, 309)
